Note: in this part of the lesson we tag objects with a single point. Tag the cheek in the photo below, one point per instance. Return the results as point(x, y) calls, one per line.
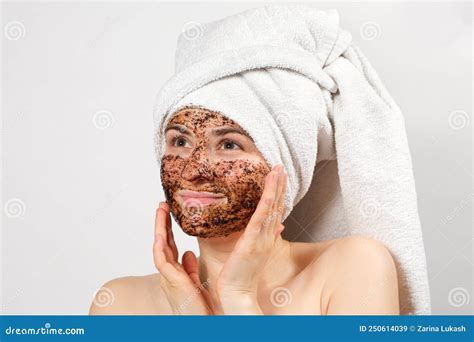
point(244, 179)
point(171, 169)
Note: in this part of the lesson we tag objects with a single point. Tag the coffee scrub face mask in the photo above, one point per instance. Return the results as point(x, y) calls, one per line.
point(205, 153)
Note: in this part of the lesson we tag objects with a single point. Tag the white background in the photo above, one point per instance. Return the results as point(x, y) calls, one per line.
point(78, 200)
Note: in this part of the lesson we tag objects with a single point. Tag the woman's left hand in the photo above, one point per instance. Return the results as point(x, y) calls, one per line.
point(238, 280)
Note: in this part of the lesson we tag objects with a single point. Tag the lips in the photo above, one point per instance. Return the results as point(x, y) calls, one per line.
point(201, 197)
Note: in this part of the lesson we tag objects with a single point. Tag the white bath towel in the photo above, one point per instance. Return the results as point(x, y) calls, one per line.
point(291, 77)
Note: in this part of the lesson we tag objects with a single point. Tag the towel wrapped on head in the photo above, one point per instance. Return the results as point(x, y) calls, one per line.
point(291, 77)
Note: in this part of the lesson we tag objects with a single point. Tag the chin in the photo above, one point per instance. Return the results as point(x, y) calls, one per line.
point(211, 233)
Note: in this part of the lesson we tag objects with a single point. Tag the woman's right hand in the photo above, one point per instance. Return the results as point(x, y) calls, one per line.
point(180, 282)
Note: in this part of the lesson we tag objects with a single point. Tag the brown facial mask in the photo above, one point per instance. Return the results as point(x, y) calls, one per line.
point(239, 179)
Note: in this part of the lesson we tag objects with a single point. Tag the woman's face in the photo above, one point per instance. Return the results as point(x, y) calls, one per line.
point(208, 152)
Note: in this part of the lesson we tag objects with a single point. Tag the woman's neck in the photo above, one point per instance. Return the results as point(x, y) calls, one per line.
point(214, 252)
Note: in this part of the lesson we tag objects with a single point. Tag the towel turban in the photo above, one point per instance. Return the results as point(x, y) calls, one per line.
point(292, 78)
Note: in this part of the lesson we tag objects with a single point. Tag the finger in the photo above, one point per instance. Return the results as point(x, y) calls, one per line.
point(160, 229)
point(269, 228)
point(190, 265)
point(281, 189)
point(283, 194)
point(159, 257)
point(169, 230)
point(279, 186)
point(160, 222)
point(269, 222)
point(165, 206)
point(279, 230)
point(280, 203)
point(264, 206)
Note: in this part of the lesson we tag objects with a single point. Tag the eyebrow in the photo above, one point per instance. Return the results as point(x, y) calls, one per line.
point(224, 130)
point(218, 132)
point(181, 128)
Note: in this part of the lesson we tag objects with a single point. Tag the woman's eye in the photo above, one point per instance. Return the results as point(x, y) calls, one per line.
point(229, 145)
point(178, 141)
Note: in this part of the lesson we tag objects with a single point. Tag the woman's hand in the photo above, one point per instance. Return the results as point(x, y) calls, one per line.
point(180, 282)
point(238, 280)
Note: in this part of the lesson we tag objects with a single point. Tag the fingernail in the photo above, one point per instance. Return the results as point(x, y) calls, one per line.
point(161, 203)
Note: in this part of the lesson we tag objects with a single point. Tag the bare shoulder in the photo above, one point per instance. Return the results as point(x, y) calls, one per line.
point(360, 277)
point(357, 250)
point(130, 295)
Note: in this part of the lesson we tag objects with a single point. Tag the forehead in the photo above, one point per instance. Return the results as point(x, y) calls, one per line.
point(200, 118)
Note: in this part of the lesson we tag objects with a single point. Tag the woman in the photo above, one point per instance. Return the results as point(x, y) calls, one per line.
point(244, 267)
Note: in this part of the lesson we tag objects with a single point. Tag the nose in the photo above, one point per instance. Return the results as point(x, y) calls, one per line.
point(197, 167)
